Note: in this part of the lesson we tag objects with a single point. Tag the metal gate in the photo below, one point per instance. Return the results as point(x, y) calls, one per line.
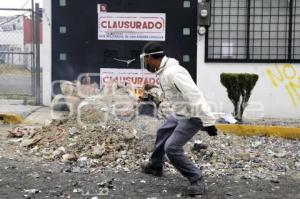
point(19, 53)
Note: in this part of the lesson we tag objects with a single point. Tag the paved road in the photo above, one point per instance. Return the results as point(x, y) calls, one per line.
point(53, 180)
point(15, 84)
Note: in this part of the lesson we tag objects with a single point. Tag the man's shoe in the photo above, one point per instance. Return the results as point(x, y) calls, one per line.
point(196, 188)
point(149, 169)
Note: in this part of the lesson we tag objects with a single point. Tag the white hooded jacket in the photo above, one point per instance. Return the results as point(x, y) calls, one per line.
point(179, 88)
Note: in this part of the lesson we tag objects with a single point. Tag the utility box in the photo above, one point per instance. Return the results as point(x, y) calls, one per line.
point(203, 13)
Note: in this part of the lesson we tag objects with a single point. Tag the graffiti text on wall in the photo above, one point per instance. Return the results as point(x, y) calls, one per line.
point(287, 75)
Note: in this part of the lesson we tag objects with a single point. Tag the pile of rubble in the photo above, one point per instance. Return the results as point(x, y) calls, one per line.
point(115, 145)
point(101, 136)
point(124, 145)
point(247, 157)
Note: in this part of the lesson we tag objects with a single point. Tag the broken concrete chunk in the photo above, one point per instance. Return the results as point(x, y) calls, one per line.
point(297, 166)
point(31, 191)
point(98, 150)
point(58, 152)
point(30, 141)
point(69, 157)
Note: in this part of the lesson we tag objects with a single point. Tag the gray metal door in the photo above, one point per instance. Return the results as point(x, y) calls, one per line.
point(76, 48)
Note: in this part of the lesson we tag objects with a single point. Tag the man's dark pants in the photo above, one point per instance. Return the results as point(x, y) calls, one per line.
point(171, 137)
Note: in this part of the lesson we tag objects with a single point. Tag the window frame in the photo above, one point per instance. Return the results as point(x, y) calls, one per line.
point(290, 31)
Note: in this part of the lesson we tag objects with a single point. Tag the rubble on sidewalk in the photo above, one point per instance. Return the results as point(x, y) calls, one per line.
point(100, 136)
point(248, 157)
point(19, 132)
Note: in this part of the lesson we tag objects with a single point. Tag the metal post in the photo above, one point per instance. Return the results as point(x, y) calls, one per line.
point(33, 87)
point(248, 30)
point(37, 53)
point(290, 30)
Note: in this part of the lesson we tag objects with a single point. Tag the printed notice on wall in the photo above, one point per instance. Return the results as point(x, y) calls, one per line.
point(131, 26)
point(134, 77)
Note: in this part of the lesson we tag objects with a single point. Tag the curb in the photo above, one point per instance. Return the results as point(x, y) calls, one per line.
point(259, 130)
point(9, 118)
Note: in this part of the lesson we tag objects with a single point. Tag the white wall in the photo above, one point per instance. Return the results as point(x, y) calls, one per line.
point(46, 55)
point(276, 94)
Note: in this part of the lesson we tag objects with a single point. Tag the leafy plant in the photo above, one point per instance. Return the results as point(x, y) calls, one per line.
point(239, 87)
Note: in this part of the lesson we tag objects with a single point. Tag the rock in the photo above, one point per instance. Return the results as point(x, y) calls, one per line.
point(275, 180)
point(256, 144)
point(31, 191)
point(129, 136)
point(245, 156)
point(297, 166)
point(198, 146)
point(83, 159)
point(35, 175)
point(78, 191)
point(98, 150)
point(106, 184)
point(58, 152)
point(69, 157)
point(296, 176)
point(280, 155)
point(27, 142)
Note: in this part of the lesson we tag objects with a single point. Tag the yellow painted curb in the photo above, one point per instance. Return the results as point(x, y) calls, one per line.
point(259, 130)
point(11, 118)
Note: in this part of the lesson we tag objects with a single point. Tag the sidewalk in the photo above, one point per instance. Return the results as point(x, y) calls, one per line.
point(14, 112)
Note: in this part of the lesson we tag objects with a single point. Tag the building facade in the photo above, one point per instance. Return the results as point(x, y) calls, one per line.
point(244, 36)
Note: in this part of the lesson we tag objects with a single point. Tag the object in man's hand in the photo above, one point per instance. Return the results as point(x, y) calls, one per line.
point(211, 130)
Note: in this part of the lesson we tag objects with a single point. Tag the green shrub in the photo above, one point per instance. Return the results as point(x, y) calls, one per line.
point(239, 87)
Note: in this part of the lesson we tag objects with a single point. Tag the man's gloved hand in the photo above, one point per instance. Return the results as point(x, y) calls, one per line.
point(211, 130)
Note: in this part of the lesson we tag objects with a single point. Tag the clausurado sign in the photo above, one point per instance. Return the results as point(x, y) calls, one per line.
point(135, 77)
point(131, 26)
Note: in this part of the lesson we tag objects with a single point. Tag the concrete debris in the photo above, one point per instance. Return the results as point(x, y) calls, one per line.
point(25, 131)
point(98, 150)
point(101, 136)
point(77, 191)
point(297, 166)
point(69, 157)
point(57, 154)
point(123, 145)
point(31, 191)
point(31, 140)
point(247, 157)
point(281, 154)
